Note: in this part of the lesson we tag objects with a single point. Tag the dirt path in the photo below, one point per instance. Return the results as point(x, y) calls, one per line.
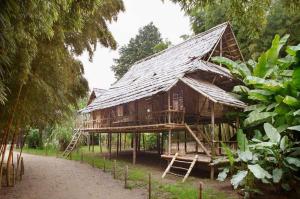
point(56, 178)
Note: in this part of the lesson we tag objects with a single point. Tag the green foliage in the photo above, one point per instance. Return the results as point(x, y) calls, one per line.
point(273, 161)
point(147, 42)
point(272, 156)
point(39, 44)
point(254, 22)
point(34, 139)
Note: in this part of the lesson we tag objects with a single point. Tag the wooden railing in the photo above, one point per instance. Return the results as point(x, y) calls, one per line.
point(155, 117)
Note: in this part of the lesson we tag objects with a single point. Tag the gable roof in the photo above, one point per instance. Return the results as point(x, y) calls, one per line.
point(161, 71)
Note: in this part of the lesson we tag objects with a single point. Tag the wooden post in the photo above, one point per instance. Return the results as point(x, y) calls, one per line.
point(212, 169)
point(212, 131)
point(200, 190)
point(125, 137)
point(120, 142)
point(117, 144)
point(197, 142)
point(104, 166)
point(158, 143)
point(110, 136)
point(220, 139)
point(178, 137)
point(169, 107)
point(125, 177)
point(100, 143)
point(93, 147)
point(114, 169)
point(185, 148)
point(169, 142)
point(70, 156)
point(149, 186)
point(88, 141)
point(134, 148)
point(144, 144)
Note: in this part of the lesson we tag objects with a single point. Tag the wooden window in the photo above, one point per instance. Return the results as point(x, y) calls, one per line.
point(178, 100)
point(120, 110)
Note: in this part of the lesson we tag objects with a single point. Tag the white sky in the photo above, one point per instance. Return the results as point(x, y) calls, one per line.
point(167, 16)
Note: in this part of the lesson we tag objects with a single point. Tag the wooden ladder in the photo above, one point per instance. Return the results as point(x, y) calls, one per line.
point(72, 145)
point(188, 170)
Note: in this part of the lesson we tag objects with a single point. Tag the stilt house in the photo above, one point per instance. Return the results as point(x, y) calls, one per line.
point(177, 90)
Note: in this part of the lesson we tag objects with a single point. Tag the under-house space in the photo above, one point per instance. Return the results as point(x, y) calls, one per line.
point(178, 94)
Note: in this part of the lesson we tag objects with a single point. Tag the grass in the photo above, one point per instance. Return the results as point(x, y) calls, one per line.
point(137, 176)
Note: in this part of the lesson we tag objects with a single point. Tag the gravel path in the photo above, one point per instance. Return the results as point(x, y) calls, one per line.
point(56, 178)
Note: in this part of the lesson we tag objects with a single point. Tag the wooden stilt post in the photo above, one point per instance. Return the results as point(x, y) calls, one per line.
point(220, 139)
point(125, 139)
point(149, 187)
point(212, 170)
point(170, 141)
point(100, 143)
point(169, 107)
point(126, 177)
point(114, 169)
point(185, 148)
point(144, 147)
point(107, 141)
point(117, 144)
point(158, 143)
point(110, 136)
point(197, 146)
point(120, 142)
point(139, 142)
point(88, 141)
point(93, 149)
point(178, 137)
point(134, 148)
point(200, 190)
point(162, 143)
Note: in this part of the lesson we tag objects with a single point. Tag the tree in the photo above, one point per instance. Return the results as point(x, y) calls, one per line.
point(40, 75)
point(253, 21)
point(147, 42)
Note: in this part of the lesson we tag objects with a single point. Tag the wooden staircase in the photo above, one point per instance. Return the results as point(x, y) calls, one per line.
point(72, 145)
point(188, 170)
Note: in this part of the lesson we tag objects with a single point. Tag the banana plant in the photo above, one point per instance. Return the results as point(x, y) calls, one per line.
point(272, 84)
point(271, 87)
point(272, 159)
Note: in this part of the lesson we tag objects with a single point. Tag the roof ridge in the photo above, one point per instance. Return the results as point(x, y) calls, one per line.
point(193, 37)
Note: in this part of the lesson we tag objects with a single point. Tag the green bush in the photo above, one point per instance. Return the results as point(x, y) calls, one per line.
point(34, 139)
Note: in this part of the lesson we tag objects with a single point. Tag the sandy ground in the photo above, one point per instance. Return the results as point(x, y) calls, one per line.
point(56, 178)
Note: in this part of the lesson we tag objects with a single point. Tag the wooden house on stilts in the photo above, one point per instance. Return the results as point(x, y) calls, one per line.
point(178, 90)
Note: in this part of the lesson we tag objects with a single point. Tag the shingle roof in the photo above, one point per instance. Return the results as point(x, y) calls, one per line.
point(159, 72)
point(98, 91)
point(212, 92)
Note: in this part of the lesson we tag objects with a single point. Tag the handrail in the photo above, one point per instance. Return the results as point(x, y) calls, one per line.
point(153, 117)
